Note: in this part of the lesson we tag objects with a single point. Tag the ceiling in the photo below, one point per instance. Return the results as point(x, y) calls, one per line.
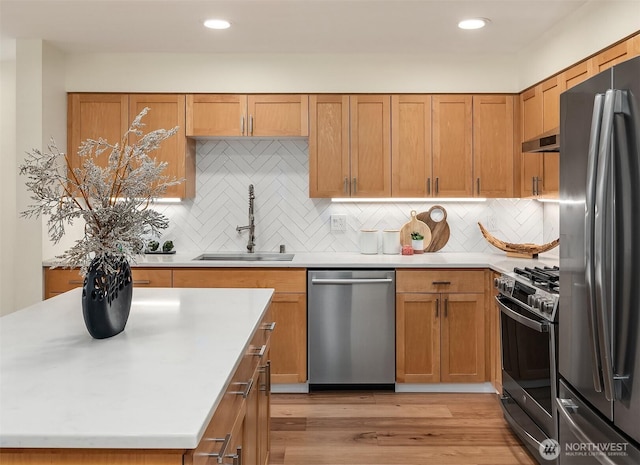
point(283, 26)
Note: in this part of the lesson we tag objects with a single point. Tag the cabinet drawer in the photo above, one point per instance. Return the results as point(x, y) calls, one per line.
point(440, 280)
point(62, 280)
point(282, 280)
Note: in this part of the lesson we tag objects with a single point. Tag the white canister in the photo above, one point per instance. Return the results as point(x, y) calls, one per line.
point(391, 241)
point(369, 241)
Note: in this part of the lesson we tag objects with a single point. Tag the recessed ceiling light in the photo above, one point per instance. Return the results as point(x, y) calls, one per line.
point(217, 24)
point(473, 23)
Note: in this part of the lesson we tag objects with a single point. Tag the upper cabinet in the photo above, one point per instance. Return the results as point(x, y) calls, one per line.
point(411, 160)
point(493, 149)
point(540, 112)
point(109, 115)
point(349, 146)
point(231, 115)
point(452, 145)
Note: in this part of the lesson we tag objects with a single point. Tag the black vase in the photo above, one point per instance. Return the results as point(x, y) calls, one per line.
point(106, 299)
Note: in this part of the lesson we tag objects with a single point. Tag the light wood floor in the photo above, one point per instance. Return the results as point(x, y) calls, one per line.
point(391, 429)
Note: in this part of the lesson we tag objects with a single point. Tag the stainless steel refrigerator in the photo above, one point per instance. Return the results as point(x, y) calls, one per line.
point(598, 402)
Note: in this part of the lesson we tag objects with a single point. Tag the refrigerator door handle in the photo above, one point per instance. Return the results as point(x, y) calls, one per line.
point(603, 304)
point(563, 406)
point(594, 140)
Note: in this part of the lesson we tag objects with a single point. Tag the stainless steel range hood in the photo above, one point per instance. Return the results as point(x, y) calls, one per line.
point(546, 142)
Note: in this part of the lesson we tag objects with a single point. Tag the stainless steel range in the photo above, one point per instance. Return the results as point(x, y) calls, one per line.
point(528, 301)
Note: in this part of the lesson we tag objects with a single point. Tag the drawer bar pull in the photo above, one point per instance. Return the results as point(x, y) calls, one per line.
point(76, 281)
point(246, 391)
point(444, 283)
point(142, 281)
point(266, 369)
point(260, 352)
point(269, 326)
point(223, 449)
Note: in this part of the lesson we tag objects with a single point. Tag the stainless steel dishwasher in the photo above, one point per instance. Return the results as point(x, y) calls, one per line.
point(351, 328)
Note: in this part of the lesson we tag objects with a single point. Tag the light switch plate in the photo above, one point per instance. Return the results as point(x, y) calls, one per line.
point(338, 222)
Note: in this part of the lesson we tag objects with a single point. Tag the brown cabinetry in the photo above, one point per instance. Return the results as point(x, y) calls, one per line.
point(452, 145)
point(59, 280)
point(493, 147)
point(289, 341)
point(231, 115)
point(349, 146)
point(107, 116)
point(440, 329)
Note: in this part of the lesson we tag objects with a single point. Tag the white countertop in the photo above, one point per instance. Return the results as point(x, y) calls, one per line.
point(496, 261)
point(153, 386)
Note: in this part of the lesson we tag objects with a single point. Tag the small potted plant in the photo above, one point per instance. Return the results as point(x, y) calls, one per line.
point(417, 242)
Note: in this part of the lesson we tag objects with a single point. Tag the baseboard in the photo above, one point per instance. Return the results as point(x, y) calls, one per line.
point(294, 388)
point(446, 387)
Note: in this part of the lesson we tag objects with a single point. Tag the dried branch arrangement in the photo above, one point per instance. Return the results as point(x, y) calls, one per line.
point(111, 191)
point(521, 250)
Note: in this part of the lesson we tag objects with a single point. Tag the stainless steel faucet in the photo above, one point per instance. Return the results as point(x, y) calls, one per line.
point(251, 244)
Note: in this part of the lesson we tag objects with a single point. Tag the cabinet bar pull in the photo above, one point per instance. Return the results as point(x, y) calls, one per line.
point(251, 125)
point(142, 281)
point(437, 307)
point(247, 389)
point(446, 307)
point(428, 186)
point(533, 185)
point(537, 185)
point(260, 352)
point(444, 283)
point(237, 457)
point(242, 126)
point(354, 187)
point(346, 185)
point(223, 449)
point(437, 185)
point(266, 369)
point(76, 281)
point(478, 185)
point(269, 326)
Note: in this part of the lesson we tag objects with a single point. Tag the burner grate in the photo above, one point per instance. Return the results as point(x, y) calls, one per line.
point(547, 277)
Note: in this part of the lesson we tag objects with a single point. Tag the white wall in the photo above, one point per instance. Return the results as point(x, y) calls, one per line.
point(8, 172)
point(593, 27)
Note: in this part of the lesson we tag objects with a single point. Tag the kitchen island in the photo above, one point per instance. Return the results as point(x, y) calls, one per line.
point(146, 395)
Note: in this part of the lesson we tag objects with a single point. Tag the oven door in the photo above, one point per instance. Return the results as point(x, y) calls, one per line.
point(529, 363)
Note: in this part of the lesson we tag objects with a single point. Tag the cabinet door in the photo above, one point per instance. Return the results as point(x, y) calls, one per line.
point(531, 108)
point(493, 145)
point(264, 413)
point(95, 116)
point(370, 145)
point(250, 426)
point(452, 145)
point(289, 339)
point(329, 146)
point(550, 90)
point(463, 346)
point(278, 115)
point(418, 338)
point(216, 115)
point(612, 56)
point(411, 145)
point(167, 111)
point(575, 75)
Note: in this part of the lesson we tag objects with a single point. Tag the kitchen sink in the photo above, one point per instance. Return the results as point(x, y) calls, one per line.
point(247, 257)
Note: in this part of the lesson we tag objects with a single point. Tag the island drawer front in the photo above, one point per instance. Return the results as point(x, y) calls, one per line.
point(440, 280)
point(282, 280)
point(61, 280)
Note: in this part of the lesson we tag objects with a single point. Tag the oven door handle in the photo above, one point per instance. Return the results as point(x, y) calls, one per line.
point(541, 327)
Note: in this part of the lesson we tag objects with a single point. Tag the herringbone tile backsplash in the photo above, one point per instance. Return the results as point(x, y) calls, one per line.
point(284, 213)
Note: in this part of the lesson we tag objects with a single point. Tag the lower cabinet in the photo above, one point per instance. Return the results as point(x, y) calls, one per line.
point(440, 326)
point(289, 310)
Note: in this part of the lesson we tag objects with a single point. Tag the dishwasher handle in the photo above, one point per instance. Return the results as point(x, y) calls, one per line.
point(351, 280)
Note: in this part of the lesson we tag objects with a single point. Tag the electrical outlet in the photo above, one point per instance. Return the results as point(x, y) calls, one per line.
point(338, 222)
point(492, 223)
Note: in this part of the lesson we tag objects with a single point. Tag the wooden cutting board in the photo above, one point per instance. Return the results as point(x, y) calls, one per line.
point(415, 225)
point(439, 229)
